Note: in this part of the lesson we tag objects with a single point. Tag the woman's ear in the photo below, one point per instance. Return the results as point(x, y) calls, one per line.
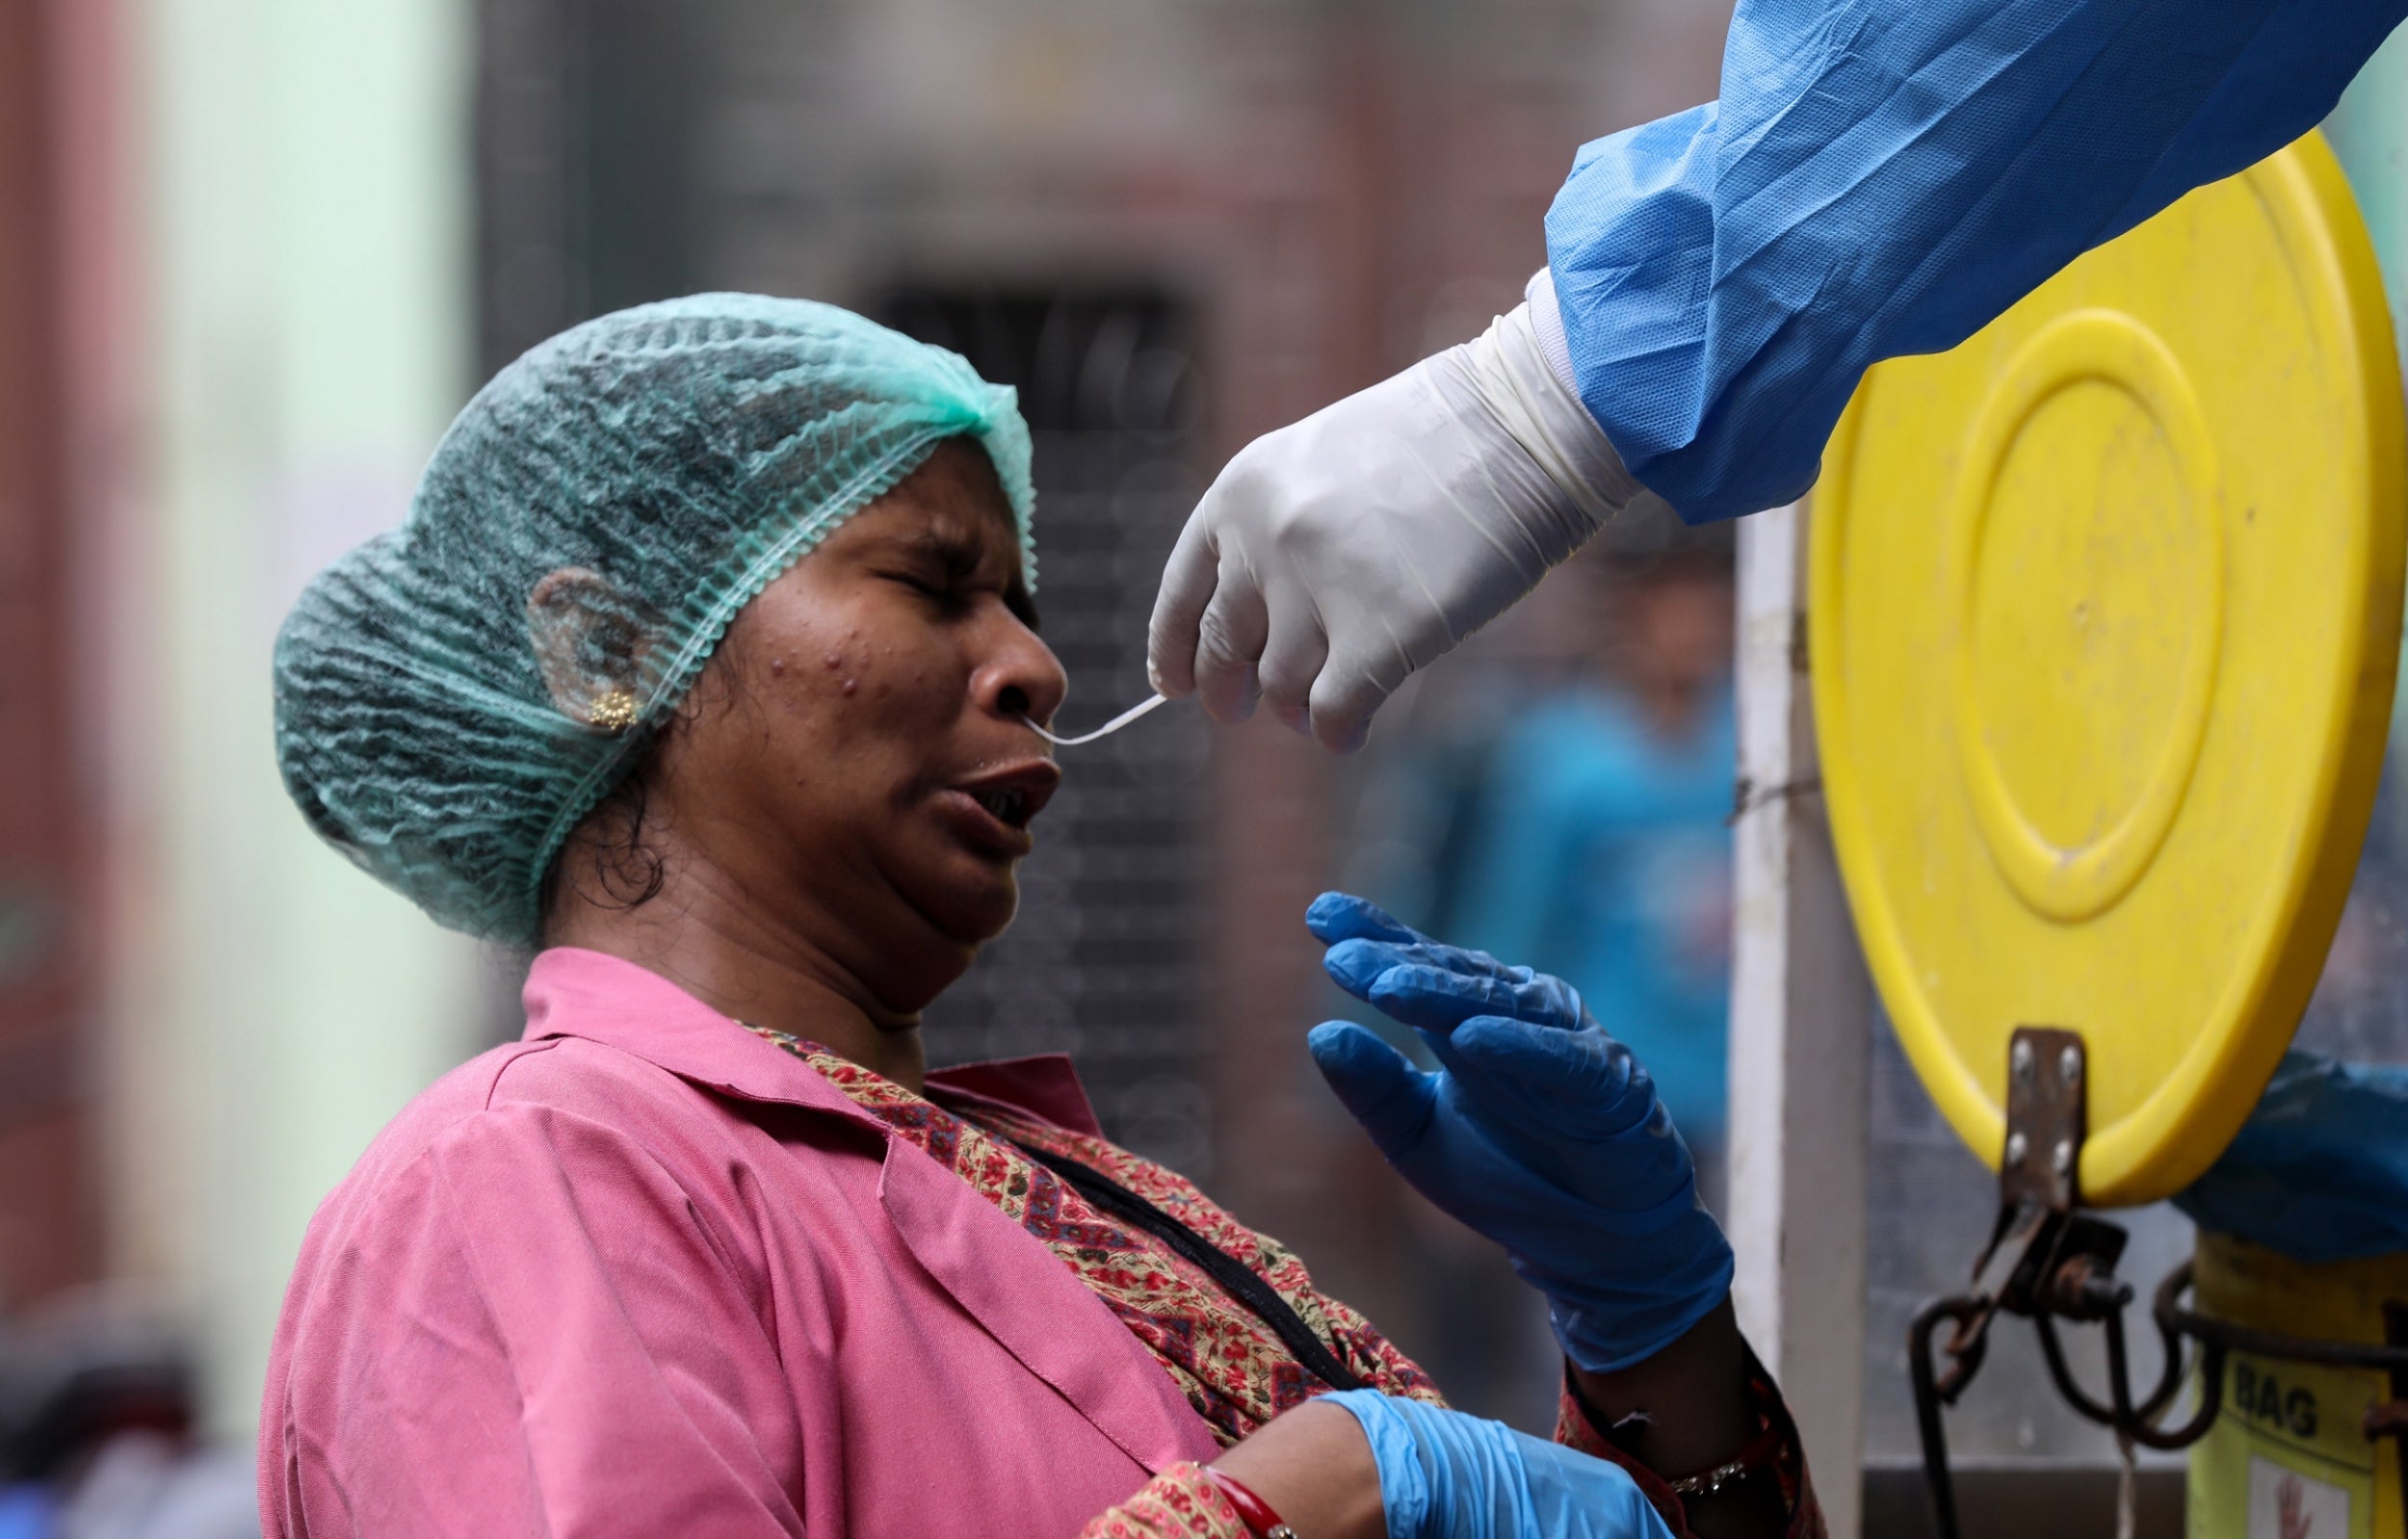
point(590, 641)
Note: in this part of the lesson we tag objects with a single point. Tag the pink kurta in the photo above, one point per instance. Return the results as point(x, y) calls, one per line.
point(644, 1273)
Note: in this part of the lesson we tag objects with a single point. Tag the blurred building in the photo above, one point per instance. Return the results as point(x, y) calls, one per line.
point(49, 903)
point(235, 311)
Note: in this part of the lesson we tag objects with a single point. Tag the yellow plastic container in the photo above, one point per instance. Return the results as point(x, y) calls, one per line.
point(2288, 1458)
point(2104, 616)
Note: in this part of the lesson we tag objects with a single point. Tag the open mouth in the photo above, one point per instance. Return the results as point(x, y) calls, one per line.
point(1008, 805)
point(1007, 800)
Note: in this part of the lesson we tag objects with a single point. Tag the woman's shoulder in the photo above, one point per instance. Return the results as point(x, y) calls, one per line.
point(561, 1100)
point(548, 1154)
point(534, 1190)
point(558, 1118)
point(485, 1099)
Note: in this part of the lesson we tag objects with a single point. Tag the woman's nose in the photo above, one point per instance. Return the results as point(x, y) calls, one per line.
point(1021, 678)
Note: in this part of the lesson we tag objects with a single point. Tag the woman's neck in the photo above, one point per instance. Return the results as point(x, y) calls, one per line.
point(742, 960)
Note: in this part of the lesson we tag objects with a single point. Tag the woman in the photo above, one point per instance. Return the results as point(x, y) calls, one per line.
point(706, 662)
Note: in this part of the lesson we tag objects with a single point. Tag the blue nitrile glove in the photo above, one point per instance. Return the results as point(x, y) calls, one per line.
point(1447, 1475)
point(1538, 1130)
point(2319, 1171)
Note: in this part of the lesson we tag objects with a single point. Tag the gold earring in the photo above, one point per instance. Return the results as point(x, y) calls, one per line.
point(612, 710)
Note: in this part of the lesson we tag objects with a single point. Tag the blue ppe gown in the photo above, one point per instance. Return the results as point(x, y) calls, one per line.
point(1883, 177)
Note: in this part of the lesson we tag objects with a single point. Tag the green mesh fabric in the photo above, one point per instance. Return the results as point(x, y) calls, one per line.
point(679, 457)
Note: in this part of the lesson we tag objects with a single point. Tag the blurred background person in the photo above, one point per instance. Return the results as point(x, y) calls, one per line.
point(1598, 840)
point(1564, 788)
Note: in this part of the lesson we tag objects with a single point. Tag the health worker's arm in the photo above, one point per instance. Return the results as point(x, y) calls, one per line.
point(1877, 177)
point(1881, 177)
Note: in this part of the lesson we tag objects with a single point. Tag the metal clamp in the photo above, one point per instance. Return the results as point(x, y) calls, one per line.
point(2043, 1257)
point(2050, 1262)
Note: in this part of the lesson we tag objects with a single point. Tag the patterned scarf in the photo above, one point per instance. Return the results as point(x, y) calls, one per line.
point(1231, 1365)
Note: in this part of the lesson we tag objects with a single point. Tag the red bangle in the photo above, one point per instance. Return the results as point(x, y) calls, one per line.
point(1252, 1510)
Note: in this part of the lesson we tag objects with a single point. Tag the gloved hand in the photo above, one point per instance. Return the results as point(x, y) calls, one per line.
point(2319, 1171)
point(1538, 1130)
point(1332, 558)
point(1447, 1475)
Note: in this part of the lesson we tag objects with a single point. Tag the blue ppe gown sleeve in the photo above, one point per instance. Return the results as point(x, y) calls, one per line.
point(1881, 177)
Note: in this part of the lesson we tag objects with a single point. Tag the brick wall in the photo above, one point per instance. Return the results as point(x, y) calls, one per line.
point(49, 1218)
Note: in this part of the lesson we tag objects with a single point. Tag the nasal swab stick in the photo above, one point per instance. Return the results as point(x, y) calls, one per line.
point(1105, 731)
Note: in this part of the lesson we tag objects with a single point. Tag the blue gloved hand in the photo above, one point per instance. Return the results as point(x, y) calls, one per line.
point(2319, 1171)
point(1538, 1130)
point(1447, 1475)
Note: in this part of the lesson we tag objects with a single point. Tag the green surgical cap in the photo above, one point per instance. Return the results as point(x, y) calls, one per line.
point(676, 457)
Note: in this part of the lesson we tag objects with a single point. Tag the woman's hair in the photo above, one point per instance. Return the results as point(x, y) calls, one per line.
point(455, 697)
point(628, 869)
point(629, 872)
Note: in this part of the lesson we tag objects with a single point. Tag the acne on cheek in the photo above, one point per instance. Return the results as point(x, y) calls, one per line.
point(844, 662)
point(834, 663)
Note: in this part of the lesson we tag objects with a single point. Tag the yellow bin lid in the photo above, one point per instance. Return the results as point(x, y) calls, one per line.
point(2104, 613)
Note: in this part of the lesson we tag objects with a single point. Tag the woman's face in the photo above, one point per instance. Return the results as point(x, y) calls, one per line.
point(855, 756)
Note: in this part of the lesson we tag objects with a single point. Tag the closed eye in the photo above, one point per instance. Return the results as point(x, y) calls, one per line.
point(958, 590)
point(957, 573)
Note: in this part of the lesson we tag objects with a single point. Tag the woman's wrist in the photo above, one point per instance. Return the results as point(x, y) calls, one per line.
point(1688, 1405)
point(1261, 1519)
point(1313, 1468)
point(1690, 1411)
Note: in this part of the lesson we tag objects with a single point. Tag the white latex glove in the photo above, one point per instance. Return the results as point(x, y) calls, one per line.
point(1334, 557)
